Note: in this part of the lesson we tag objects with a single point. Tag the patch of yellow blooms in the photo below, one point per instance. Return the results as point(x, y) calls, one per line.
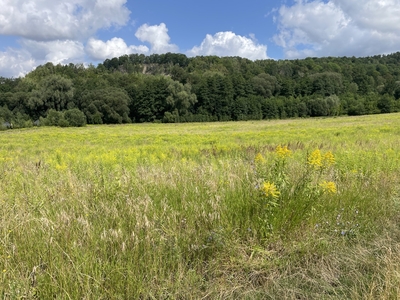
point(283, 152)
point(259, 158)
point(319, 161)
point(270, 190)
point(328, 187)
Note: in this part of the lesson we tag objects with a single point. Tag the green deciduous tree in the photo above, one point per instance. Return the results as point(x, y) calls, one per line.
point(386, 104)
point(54, 92)
point(265, 85)
point(75, 117)
point(109, 106)
point(180, 97)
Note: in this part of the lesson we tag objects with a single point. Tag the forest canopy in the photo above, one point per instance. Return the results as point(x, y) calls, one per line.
point(174, 88)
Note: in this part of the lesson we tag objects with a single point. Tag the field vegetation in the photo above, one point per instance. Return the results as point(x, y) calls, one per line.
point(284, 209)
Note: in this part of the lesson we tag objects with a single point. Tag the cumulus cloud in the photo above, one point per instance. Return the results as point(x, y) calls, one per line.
point(115, 47)
point(43, 20)
point(375, 15)
point(18, 62)
point(229, 44)
point(15, 63)
point(57, 52)
point(339, 28)
point(157, 36)
point(55, 31)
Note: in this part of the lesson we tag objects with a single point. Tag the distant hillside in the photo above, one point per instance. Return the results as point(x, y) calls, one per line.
point(174, 88)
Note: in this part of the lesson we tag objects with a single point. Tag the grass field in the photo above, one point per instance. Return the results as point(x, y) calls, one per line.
point(294, 209)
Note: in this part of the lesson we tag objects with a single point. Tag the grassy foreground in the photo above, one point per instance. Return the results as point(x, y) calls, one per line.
point(295, 209)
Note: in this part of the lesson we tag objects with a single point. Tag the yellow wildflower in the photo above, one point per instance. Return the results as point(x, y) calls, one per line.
point(283, 152)
point(259, 158)
point(319, 161)
point(270, 190)
point(328, 187)
point(61, 167)
point(328, 159)
point(315, 159)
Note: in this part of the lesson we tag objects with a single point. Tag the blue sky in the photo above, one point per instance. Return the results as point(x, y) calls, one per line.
point(190, 21)
point(33, 32)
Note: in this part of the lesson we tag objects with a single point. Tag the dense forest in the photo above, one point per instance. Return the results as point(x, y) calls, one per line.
point(174, 88)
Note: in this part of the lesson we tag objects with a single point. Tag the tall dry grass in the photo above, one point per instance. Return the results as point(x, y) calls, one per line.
point(126, 212)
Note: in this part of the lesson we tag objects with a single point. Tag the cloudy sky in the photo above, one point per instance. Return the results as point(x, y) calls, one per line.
point(33, 32)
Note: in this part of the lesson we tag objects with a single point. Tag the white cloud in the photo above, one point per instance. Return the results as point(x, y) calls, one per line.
point(339, 28)
point(54, 31)
point(158, 38)
point(43, 20)
point(156, 35)
point(63, 51)
point(57, 52)
point(229, 44)
point(16, 63)
point(376, 15)
point(115, 47)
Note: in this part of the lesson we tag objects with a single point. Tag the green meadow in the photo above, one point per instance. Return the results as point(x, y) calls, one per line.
point(286, 209)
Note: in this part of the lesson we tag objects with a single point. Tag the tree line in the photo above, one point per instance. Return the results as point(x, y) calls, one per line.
point(174, 88)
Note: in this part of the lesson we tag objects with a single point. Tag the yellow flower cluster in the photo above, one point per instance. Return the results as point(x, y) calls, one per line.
point(319, 161)
point(328, 159)
point(270, 190)
point(283, 152)
point(259, 158)
point(315, 158)
point(328, 187)
point(61, 167)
